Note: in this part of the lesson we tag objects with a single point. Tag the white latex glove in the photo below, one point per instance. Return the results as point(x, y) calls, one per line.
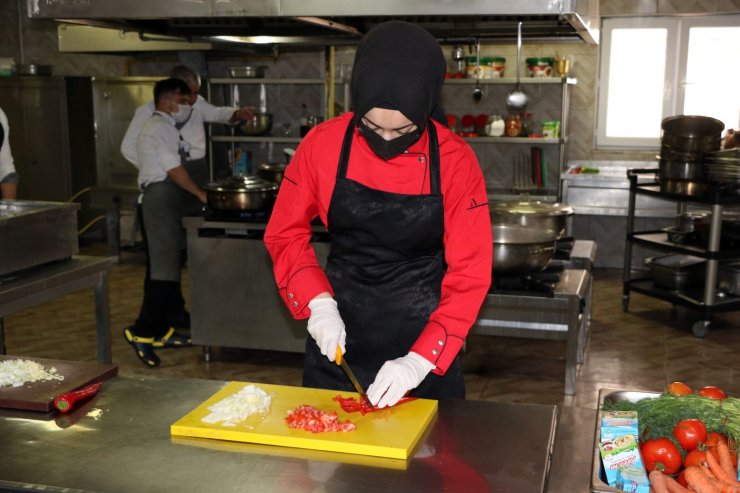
point(396, 377)
point(326, 326)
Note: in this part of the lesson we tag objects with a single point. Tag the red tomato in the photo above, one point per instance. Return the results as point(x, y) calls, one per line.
point(694, 458)
point(690, 433)
point(677, 389)
point(661, 453)
point(712, 392)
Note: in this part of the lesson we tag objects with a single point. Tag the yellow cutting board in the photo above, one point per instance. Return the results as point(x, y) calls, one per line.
point(389, 433)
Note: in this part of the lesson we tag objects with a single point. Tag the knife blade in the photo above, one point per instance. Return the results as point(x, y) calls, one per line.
point(348, 371)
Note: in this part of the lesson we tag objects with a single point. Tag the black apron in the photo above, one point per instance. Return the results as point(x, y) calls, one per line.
point(386, 266)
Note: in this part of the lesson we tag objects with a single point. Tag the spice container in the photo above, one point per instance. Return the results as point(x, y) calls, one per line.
point(526, 124)
point(539, 67)
point(513, 125)
point(498, 64)
point(551, 129)
point(471, 67)
point(495, 126)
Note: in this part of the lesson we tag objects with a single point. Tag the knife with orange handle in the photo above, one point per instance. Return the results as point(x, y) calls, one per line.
point(348, 371)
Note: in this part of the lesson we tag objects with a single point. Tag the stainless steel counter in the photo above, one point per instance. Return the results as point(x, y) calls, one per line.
point(34, 286)
point(121, 442)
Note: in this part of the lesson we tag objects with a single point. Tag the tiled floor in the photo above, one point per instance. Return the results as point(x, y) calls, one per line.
point(646, 348)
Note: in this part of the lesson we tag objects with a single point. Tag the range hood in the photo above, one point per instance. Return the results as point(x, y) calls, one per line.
point(330, 21)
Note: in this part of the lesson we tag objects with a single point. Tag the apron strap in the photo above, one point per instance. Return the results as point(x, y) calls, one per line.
point(346, 146)
point(434, 180)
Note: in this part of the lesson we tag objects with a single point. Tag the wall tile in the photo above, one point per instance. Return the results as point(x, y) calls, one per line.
point(687, 6)
point(728, 6)
point(628, 7)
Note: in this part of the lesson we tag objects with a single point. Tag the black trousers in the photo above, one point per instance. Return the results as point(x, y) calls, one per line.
point(163, 305)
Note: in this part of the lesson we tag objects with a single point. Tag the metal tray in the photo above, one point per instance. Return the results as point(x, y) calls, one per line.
point(598, 482)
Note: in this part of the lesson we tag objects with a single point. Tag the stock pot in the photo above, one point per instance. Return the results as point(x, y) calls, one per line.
point(241, 193)
point(532, 214)
point(521, 250)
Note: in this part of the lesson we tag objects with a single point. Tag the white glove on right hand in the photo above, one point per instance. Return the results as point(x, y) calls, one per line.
point(326, 326)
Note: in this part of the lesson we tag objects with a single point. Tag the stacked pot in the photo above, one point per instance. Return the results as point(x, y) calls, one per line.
point(524, 235)
point(685, 143)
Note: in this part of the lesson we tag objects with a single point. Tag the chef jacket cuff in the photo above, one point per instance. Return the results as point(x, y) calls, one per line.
point(438, 346)
point(302, 287)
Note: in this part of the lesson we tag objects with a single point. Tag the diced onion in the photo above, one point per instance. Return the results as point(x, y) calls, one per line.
point(18, 372)
point(239, 406)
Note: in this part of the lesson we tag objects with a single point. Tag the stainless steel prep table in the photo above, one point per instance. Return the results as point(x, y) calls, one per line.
point(40, 284)
point(122, 443)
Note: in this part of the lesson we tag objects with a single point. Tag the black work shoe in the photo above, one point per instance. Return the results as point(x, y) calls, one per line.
point(172, 339)
point(143, 347)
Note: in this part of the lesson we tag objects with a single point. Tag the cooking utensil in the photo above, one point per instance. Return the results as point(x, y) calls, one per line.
point(517, 99)
point(729, 278)
point(691, 133)
point(684, 187)
point(352, 378)
point(674, 271)
point(532, 214)
point(257, 124)
point(248, 72)
point(521, 250)
point(241, 193)
point(273, 172)
point(390, 433)
point(477, 91)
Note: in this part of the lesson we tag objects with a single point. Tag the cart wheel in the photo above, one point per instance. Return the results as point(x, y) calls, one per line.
point(700, 328)
point(625, 303)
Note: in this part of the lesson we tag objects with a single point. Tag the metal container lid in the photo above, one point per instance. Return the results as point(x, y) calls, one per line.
point(242, 184)
point(532, 207)
point(279, 167)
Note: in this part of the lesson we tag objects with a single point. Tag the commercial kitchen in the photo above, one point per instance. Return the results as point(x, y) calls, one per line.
point(630, 212)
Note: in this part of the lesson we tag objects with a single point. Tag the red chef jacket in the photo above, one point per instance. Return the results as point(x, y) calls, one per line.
point(306, 191)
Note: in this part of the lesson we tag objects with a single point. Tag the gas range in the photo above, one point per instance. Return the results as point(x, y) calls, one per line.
point(554, 304)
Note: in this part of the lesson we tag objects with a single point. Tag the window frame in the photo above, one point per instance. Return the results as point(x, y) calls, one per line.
point(674, 81)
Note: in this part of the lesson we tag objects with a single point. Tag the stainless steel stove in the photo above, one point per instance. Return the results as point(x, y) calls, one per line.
point(561, 310)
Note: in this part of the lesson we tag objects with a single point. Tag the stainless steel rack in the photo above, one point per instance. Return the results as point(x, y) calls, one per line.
point(705, 300)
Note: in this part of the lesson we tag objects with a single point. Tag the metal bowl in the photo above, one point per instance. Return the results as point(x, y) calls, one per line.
point(521, 250)
point(248, 72)
point(273, 172)
point(258, 124)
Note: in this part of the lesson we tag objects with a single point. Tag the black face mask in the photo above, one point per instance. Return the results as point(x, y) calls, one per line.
point(387, 149)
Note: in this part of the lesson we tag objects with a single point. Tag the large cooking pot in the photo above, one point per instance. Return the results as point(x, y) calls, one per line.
point(521, 250)
point(241, 193)
point(532, 214)
point(273, 172)
point(691, 133)
point(257, 124)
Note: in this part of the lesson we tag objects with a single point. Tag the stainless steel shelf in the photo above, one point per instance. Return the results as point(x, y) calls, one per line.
point(523, 81)
point(267, 81)
point(512, 140)
point(260, 138)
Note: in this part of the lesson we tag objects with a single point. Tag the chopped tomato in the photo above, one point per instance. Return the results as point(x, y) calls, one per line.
point(351, 405)
point(315, 420)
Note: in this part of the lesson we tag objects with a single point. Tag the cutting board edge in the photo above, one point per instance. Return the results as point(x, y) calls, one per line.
point(294, 442)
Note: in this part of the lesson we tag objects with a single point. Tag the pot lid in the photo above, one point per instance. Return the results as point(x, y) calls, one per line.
point(532, 207)
point(242, 184)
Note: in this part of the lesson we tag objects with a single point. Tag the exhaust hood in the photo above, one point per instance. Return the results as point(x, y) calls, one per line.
point(330, 21)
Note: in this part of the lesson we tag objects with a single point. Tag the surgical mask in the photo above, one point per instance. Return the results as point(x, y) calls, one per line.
point(183, 113)
point(388, 149)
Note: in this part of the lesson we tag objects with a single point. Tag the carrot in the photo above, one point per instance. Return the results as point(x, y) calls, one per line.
point(699, 481)
point(729, 488)
point(718, 471)
point(725, 459)
point(674, 486)
point(657, 481)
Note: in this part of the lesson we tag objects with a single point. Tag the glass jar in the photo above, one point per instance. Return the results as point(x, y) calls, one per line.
point(495, 126)
point(526, 124)
point(513, 125)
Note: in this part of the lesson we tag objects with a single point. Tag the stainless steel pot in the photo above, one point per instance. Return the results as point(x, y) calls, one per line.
point(239, 193)
point(273, 172)
point(521, 250)
point(532, 214)
point(684, 187)
point(681, 170)
point(691, 133)
point(248, 71)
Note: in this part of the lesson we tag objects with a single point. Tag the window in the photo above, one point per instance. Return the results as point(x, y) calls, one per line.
point(655, 67)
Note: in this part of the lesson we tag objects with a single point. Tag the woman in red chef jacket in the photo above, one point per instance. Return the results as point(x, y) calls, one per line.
point(405, 204)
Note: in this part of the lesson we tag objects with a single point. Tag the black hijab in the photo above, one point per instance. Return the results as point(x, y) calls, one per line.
point(399, 66)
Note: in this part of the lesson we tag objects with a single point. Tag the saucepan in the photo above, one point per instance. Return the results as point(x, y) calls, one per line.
point(241, 193)
point(521, 250)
